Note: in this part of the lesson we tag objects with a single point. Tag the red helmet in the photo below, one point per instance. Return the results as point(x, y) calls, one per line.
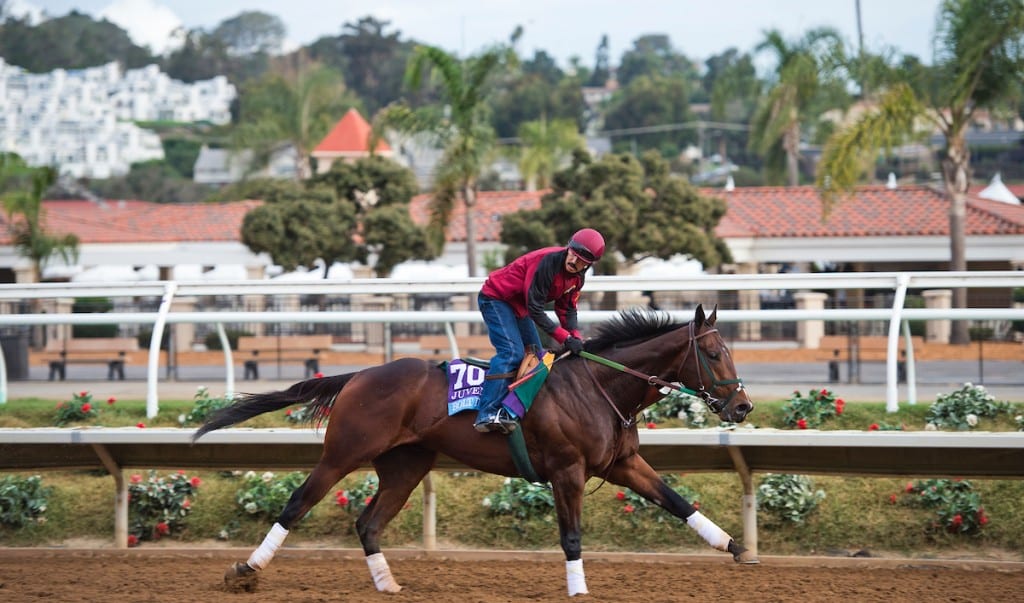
point(588, 244)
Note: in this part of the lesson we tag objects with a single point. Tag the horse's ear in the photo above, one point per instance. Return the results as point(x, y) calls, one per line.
point(713, 317)
point(698, 317)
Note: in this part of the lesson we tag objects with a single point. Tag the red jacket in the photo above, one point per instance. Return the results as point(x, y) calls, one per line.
point(534, 279)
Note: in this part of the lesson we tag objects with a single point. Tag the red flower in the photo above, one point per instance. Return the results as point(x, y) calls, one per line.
point(60, 405)
point(342, 500)
point(875, 427)
point(140, 425)
point(368, 500)
point(135, 478)
point(824, 392)
point(651, 425)
point(162, 529)
point(195, 481)
point(801, 423)
point(111, 400)
point(318, 375)
point(840, 405)
point(892, 498)
point(982, 518)
point(133, 540)
point(186, 504)
point(628, 509)
point(83, 394)
point(957, 520)
point(910, 487)
point(620, 495)
point(288, 413)
point(86, 407)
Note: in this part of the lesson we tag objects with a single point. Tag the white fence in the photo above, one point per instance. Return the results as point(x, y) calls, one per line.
point(935, 454)
point(897, 315)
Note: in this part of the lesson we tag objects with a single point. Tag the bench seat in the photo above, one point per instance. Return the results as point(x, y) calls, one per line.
point(306, 349)
point(112, 351)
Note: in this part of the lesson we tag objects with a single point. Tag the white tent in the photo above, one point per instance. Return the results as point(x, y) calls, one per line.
point(997, 191)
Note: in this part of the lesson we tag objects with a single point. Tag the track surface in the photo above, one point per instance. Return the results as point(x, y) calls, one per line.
point(159, 575)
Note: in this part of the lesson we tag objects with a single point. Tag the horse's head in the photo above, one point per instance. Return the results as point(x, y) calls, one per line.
point(707, 368)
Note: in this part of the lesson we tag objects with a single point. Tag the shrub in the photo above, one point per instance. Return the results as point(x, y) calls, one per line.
point(957, 504)
point(677, 405)
point(521, 499)
point(636, 506)
point(212, 339)
point(158, 506)
point(264, 495)
point(788, 497)
point(355, 499)
point(203, 406)
point(962, 409)
point(813, 410)
point(22, 500)
point(80, 408)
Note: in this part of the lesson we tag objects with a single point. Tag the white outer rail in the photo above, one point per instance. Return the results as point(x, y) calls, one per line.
point(950, 454)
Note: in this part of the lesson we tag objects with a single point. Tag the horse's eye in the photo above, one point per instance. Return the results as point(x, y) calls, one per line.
point(714, 354)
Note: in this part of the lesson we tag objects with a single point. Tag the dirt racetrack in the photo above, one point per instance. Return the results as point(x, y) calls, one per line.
point(299, 576)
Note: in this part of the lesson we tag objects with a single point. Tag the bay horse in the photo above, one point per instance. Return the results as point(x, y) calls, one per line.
point(582, 424)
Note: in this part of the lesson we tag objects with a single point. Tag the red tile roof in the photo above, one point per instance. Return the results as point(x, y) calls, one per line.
point(350, 135)
point(142, 221)
point(794, 212)
point(491, 207)
point(785, 212)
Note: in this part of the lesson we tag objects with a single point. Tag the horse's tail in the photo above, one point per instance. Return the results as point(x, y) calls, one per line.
point(317, 394)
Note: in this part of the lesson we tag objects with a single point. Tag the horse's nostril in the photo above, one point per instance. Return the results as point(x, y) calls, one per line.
point(744, 408)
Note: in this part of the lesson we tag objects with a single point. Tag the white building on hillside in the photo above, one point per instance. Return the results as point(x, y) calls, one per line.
point(81, 120)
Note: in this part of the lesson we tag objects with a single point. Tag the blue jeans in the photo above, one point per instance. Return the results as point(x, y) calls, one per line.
point(509, 335)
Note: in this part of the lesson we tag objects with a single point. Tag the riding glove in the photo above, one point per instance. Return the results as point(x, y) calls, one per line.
point(574, 345)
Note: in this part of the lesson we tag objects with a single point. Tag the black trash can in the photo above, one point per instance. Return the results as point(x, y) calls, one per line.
point(15, 347)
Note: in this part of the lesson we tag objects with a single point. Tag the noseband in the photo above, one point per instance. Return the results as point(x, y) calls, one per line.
point(716, 405)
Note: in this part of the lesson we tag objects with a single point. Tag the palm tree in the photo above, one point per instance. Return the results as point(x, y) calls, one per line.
point(801, 68)
point(462, 128)
point(21, 190)
point(296, 105)
point(545, 147)
point(979, 60)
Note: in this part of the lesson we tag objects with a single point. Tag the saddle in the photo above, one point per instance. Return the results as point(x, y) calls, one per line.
point(530, 362)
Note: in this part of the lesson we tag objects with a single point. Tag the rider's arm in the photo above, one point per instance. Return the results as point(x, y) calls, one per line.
point(537, 295)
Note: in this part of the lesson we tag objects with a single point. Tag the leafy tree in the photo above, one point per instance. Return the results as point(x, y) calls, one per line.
point(21, 191)
point(200, 57)
point(538, 90)
point(800, 68)
point(74, 41)
point(389, 182)
point(294, 106)
point(650, 101)
point(390, 234)
point(251, 32)
point(299, 227)
point(156, 181)
point(545, 147)
point(602, 64)
point(372, 60)
point(652, 55)
point(978, 63)
point(463, 129)
point(641, 209)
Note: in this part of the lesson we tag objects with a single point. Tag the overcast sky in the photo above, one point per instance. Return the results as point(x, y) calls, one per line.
point(698, 28)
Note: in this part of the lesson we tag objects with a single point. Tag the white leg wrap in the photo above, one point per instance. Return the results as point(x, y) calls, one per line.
point(709, 531)
point(262, 556)
point(574, 578)
point(381, 573)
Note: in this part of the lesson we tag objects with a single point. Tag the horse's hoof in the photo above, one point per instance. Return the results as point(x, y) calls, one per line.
point(746, 558)
point(240, 578)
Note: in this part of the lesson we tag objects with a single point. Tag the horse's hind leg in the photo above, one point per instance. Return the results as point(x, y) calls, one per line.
point(242, 576)
point(636, 474)
point(399, 471)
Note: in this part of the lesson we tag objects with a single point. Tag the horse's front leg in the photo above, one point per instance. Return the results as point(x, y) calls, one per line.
point(636, 474)
point(567, 487)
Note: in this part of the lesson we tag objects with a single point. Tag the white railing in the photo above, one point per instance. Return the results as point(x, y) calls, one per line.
point(896, 315)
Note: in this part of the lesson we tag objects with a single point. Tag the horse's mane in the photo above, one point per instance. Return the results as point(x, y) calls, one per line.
point(632, 324)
